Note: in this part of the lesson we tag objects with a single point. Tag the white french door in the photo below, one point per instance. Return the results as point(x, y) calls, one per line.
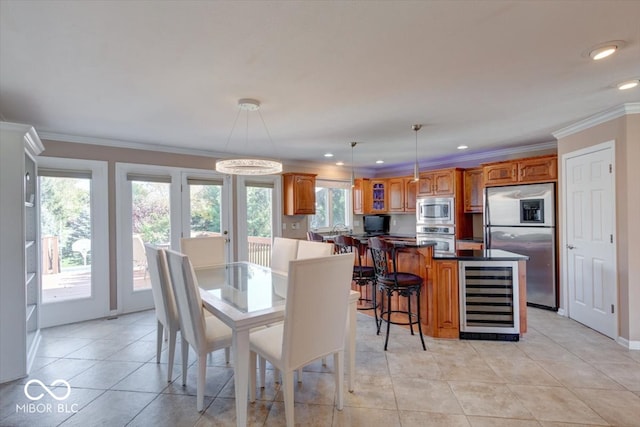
point(589, 238)
point(259, 207)
point(74, 234)
point(206, 206)
point(159, 205)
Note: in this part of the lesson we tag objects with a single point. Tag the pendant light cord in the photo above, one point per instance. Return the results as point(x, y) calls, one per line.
point(226, 145)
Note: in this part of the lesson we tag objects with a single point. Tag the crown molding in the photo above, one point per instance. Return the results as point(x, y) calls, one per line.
point(475, 157)
point(29, 134)
point(127, 144)
point(605, 116)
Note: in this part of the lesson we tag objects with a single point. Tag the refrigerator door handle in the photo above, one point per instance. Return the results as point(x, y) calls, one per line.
point(487, 222)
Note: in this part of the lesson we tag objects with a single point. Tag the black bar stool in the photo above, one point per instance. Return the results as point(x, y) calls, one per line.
point(362, 275)
point(314, 237)
point(392, 281)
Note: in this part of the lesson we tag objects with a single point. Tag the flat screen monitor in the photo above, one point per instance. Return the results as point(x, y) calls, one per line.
point(376, 223)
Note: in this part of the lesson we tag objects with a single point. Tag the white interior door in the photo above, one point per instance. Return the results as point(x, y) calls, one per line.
point(589, 227)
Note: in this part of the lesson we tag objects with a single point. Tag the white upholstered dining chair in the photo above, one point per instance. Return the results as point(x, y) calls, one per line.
point(165, 305)
point(283, 251)
point(205, 251)
point(204, 333)
point(314, 325)
point(313, 249)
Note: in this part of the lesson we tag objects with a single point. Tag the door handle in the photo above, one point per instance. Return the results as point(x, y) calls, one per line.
point(570, 247)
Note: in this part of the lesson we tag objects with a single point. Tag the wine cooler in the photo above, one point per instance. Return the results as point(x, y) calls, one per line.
point(489, 300)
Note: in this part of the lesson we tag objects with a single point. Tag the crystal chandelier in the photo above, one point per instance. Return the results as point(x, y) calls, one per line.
point(248, 166)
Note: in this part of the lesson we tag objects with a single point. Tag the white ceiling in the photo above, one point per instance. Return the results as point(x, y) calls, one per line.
point(487, 74)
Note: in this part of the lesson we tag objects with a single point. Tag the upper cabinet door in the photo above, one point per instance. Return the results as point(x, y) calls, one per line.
point(426, 185)
point(437, 183)
point(473, 185)
point(530, 170)
point(396, 195)
point(299, 194)
point(378, 195)
point(538, 169)
point(500, 173)
point(445, 182)
point(410, 194)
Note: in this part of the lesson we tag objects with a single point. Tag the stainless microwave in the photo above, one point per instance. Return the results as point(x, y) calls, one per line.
point(435, 210)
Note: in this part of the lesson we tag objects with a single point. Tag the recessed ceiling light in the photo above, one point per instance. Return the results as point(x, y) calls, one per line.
point(339, 163)
point(629, 84)
point(379, 161)
point(462, 147)
point(603, 52)
point(328, 154)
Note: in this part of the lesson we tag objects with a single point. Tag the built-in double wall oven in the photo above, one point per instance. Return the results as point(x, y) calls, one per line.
point(435, 222)
point(443, 236)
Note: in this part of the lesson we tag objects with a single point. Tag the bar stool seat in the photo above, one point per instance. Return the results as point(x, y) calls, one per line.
point(390, 281)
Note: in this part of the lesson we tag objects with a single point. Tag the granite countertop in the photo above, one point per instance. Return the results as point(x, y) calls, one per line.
point(407, 241)
point(482, 255)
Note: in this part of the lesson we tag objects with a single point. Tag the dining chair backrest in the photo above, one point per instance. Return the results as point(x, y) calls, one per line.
point(205, 251)
point(283, 251)
point(383, 254)
point(312, 249)
point(163, 299)
point(138, 254)
point(188, 301)
point(316, 310)
point(313, 236)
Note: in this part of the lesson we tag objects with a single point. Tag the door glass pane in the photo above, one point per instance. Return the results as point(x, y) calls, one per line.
point(65, 223)
point(259, 224)
point(205, 205)
point(150, 224)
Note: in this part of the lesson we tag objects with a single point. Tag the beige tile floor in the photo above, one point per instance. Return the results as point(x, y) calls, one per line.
point(560, 374)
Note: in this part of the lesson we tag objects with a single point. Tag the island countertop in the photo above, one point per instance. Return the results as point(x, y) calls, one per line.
point(481, 255)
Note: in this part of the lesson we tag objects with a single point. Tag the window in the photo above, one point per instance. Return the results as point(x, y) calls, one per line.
point(333, 206)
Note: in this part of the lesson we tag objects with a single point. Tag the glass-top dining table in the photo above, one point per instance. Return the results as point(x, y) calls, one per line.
point(245, 296)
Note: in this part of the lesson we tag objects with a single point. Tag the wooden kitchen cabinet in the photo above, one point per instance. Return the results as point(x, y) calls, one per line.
point(299, 193)
point(473, 189)
point(402, 194)
point(529, 170)
point(437, 183)
point(443, 315)
point(410, 194)
point(378, 196)
point(358, 195)
point(538, 169)
point(396, 194)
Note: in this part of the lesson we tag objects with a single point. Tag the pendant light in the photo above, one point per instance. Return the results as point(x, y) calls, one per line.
point(416, 167)
point(353, 173)
point(248, 166)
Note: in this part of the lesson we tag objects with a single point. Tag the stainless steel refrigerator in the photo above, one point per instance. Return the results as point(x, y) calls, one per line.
point(521, 219)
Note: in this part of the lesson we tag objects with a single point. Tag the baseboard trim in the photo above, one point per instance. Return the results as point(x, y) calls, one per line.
point(631, 345)
point(561, 312)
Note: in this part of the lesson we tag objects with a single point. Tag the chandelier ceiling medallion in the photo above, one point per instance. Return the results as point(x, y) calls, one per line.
point(248, 165)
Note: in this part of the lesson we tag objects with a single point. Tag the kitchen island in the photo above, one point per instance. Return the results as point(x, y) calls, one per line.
point(500, 299)
point(441, 297)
